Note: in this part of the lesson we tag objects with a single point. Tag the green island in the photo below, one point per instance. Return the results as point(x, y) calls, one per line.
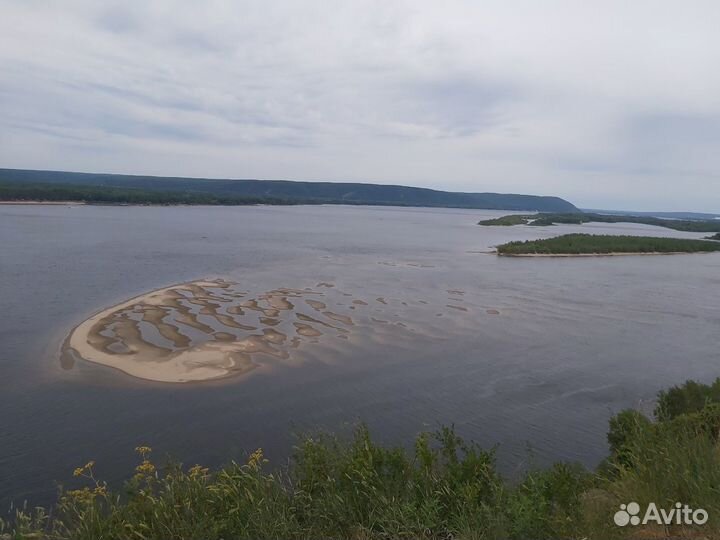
point(602, 244)
point(437, 487)
point(578, 218)
point(714, 237)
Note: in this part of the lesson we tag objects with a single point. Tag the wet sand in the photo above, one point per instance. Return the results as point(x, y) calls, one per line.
point(208, 329)
point(199, 331)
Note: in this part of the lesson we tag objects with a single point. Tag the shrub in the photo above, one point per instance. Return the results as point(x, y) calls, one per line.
point(687, 398)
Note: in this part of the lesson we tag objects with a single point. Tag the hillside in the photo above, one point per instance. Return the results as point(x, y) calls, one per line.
point(291, 191)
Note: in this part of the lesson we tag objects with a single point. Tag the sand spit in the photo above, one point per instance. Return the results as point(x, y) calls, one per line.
point(202, 330)
point(210, 329)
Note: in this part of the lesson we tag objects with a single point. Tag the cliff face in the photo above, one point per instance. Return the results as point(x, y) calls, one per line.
point(328, 192)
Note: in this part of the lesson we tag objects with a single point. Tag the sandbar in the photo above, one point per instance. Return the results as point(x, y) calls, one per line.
point(200, 330)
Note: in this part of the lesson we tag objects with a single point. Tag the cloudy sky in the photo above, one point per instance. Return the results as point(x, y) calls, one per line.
point(610, 104)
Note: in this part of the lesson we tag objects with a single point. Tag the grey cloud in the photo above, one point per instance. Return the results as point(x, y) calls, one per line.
point(458, 106)
point(661, 143)
point(674, 129)
point(119, 19)
point(537, 98)
point(194, 42)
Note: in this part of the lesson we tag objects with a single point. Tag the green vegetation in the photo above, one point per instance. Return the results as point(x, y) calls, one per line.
point(295, 192)
point(444, 488)
point(691, 397)
point(714, 237)
point(547, 219)
point(579, 244)
point(14, 191)
point(507, 221)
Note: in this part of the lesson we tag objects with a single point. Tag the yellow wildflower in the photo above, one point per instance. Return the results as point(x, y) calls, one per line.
point(197, 471)
point(144, 451)
point(256, 458)
point(85, 470)
point(145, 468)
point(83, 495)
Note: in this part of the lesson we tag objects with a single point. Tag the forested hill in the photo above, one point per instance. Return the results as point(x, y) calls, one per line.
point(291, 191)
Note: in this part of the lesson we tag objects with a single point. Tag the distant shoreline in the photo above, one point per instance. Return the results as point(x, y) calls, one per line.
point(21, 184)
point(34, 203)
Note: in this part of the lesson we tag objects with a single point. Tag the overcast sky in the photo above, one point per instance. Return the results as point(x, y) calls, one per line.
point(610, 104)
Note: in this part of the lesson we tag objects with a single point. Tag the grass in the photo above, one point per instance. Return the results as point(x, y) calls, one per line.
point(577, 218)
point(579, 244)
point(445, 488)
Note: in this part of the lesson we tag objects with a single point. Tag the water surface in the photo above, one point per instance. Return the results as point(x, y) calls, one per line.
point(517, 352)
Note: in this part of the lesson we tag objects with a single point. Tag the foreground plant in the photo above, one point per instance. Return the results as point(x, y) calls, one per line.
point(444, 488)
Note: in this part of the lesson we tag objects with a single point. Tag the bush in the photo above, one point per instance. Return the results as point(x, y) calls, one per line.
point(687, 398)
point(443, 488)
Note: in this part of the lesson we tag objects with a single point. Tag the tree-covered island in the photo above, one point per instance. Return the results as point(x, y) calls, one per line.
point(592, 244)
